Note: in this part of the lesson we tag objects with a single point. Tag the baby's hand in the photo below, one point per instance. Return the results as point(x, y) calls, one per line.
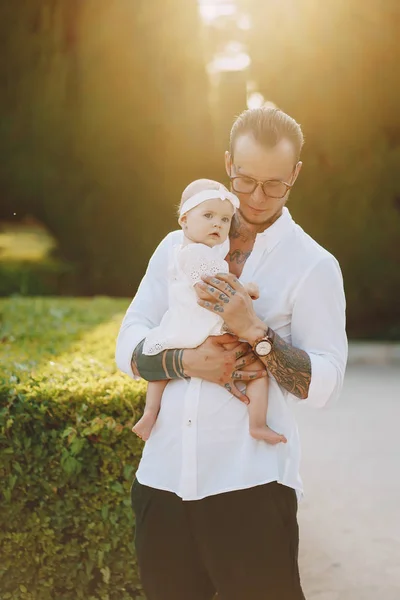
point(253, 290)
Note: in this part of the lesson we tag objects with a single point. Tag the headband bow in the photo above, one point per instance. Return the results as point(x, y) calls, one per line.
point(200, 197)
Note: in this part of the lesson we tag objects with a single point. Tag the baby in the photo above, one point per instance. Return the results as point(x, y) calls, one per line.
point(205, 215)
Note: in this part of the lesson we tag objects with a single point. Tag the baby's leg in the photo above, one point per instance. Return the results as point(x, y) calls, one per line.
point(154, 394)
point(257, 392)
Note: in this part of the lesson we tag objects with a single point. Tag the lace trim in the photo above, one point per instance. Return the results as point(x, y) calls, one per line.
point(155, 348)
point(204, 268)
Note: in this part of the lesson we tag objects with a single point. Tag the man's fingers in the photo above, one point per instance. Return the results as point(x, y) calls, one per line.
point(228, 278)
point(212, 293)
point(248, 375)
point(248, 359)
point(241, 350)
point(231, 387)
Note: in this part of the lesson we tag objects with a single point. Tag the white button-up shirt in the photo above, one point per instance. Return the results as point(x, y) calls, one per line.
point(200, 444)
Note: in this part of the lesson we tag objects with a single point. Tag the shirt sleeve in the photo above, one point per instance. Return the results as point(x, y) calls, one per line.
point(198, 260)
point(318, 327)
point(146, 309)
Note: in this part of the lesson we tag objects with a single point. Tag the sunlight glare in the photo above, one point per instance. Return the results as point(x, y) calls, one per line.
point(210, 11)
point(232, 58)
point(255, 100)
point(244, 22)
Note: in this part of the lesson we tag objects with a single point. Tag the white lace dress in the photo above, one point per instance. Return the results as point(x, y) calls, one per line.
point(186, 324)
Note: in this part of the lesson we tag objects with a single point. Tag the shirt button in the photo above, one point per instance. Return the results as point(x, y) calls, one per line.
point(189, 422)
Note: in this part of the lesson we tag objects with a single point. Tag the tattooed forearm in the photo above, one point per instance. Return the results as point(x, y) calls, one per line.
point(290, 366)
point(165, 365)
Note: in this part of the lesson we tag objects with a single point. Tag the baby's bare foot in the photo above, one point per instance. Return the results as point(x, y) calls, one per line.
point(267, 434)
point(144, 426)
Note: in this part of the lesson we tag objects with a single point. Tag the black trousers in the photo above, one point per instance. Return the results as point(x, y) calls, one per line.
point(241, 544)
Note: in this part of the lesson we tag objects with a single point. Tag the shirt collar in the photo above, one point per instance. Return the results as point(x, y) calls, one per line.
point(269, 238)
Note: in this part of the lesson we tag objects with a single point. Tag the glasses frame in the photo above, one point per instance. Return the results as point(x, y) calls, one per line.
point(262, 183)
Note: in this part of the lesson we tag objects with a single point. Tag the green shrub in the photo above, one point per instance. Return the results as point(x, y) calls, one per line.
point(67, 453)
point(42, 278)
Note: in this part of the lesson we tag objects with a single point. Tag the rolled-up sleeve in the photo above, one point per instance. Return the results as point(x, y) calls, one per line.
point(319, 328)
point(147, 308)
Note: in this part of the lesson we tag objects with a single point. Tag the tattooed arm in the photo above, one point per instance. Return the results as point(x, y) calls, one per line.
point(165, 365)
point(290, 366)
point(311, 367)
point(211, 361)
point(215, 360)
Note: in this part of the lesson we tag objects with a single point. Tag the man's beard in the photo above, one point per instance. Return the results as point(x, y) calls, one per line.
point(260, 225)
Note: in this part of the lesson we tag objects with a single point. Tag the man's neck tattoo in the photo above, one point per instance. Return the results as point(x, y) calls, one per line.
point(240, 230)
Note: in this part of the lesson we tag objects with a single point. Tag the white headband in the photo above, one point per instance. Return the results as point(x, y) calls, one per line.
point(200, 197)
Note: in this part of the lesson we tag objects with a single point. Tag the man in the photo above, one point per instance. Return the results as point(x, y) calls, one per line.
point(215, 509)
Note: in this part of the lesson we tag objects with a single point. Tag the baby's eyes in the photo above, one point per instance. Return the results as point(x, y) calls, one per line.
point(210, 216)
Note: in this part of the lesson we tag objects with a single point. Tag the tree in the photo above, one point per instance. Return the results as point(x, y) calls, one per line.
point(334, 67)
point(107, 120)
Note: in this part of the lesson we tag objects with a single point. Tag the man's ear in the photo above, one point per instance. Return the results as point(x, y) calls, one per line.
point(297, 171)
point(228, 162)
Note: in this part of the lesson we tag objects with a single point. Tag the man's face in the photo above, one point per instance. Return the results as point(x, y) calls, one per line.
point(262, 163)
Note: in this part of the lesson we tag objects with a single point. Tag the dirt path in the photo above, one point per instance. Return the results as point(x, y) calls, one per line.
point(350, 517)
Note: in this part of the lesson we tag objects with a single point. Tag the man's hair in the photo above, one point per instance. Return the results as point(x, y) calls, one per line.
point(268, 126)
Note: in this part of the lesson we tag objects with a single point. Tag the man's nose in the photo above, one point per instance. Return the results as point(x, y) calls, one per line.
point(258, 194)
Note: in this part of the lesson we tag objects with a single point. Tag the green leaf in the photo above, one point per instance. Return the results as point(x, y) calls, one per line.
point(128, 472)
point(117, 487)
point(106, 574)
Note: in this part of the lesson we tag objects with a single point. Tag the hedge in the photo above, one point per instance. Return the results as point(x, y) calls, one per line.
point(67, 453)
point(42, 278)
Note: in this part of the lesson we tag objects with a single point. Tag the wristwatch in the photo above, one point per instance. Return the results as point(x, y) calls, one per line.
point(263, 346)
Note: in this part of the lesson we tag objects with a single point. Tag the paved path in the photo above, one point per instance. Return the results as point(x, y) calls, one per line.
point(350, 517)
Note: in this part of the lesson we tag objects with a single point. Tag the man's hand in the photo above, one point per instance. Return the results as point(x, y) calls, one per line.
point(214, 362)
point(253, 290)
point(227, 297)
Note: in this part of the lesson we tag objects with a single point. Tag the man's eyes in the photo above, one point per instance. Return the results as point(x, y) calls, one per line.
point(273, 183)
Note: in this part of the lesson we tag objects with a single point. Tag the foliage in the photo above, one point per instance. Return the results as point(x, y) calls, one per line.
point(67, 454)
point(100, 100)
point(27, 278)
point(344, 90)
point(105, 117)
point(29, 265)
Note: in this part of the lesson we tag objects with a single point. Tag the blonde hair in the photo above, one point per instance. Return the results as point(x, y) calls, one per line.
point(268, 126)
point(199, 185)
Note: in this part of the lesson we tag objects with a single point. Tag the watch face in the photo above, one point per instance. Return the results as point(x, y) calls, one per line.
point(263, 348)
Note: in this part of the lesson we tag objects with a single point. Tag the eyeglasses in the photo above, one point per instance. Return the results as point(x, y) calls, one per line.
point(273, 188)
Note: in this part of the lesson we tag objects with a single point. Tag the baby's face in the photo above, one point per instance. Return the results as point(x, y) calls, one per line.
point(209, 222)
